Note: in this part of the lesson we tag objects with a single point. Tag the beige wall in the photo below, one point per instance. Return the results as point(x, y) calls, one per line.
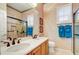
point(2, 6)
point(50, 22)
point(51, 30)
point(13, 13)
point(40, 8)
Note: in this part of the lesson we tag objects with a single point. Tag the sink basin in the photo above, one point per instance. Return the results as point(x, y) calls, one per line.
point(16, 48)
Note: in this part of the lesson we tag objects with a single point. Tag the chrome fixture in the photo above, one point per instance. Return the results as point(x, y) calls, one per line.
point(13, 41)
point(18, 41)
point(35, 36)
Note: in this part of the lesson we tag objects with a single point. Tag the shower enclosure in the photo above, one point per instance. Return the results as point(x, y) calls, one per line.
point(69, 29)
point(76, 33)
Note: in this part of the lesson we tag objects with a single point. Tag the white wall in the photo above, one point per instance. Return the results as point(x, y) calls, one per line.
point(3, 21)
point(50, 24)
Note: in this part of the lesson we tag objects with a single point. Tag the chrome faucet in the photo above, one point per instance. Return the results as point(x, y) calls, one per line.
point(18, 41)
point(13, 42)
point(35, 36)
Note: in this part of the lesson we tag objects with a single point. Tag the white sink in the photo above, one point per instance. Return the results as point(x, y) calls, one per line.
point(19, 47)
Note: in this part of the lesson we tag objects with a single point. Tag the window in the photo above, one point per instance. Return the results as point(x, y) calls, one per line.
point(30, 22)
point(64, 13)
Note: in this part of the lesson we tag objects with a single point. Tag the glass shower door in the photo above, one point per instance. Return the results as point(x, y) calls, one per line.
point(76, 33)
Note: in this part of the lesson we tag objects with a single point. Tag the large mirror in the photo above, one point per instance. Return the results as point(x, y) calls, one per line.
point(16, 27)
point(22, 21)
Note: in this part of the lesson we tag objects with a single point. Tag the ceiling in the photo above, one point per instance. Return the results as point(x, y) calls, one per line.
point(21, 7)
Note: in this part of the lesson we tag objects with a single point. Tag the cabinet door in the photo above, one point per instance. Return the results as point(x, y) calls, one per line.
point(46, 47)
point(43, 49)
point(37, 51)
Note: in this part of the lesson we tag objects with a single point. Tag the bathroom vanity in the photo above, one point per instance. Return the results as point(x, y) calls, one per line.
point(42, 49)
point(38, 46)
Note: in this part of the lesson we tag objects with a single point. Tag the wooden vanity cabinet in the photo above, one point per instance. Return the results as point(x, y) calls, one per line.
point(46, 48)
point(36, 51)
point(40, 50)
point(29, 53)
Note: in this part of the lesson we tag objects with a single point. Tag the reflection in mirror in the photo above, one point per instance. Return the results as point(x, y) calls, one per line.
point(30, 19)
point(16, 27)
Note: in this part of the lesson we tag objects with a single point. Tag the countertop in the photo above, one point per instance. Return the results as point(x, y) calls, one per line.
point(33, 43)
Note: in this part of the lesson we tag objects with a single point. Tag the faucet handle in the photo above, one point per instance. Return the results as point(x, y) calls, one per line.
point(9, 38)
point(8, 44)
point(18, 41)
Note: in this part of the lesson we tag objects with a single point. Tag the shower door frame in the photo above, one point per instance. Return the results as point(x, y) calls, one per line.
point(74, 42)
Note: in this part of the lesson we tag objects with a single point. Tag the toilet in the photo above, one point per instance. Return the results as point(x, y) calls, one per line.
point(51, 47)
